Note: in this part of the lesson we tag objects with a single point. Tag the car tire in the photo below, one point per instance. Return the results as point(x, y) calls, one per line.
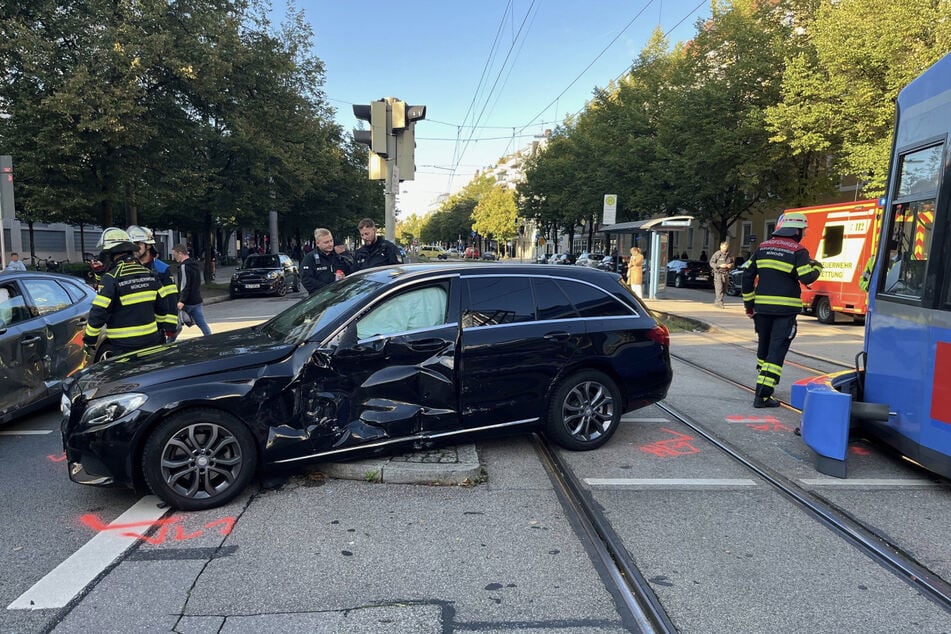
point(824, 312)
point(584, 412)
point(199, 459)
point(679, 281)
point(281, 289)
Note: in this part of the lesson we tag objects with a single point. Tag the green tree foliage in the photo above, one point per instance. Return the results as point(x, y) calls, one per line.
point(453, 220)
point(496, 214)
point(189, 115)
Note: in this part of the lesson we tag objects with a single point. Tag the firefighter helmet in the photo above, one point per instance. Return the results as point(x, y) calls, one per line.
point(115, 240)
point(790, 224)
point(141, 234)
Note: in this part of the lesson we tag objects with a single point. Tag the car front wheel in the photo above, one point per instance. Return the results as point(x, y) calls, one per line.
point(199, 459)
point(281, 289)
point(584, 411)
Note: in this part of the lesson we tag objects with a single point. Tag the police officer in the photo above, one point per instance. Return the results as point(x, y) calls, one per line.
point(771, 296)
point(146, 254)
point(130, 306)
point(375, 250)
point(323, 265)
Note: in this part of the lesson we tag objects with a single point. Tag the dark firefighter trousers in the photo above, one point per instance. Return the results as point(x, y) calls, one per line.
point(775, 333)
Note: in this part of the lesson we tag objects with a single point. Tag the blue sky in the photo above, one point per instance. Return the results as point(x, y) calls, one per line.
point(482, 101)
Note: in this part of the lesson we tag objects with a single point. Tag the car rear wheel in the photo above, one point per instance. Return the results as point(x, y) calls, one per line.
point(199, 459)
point(679, 281)
point(584, 411)
point(824, 312)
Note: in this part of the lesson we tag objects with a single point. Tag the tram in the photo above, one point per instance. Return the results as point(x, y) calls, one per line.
point(900, 389)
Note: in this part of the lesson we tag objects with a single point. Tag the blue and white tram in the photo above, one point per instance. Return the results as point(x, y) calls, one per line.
point(900, 390)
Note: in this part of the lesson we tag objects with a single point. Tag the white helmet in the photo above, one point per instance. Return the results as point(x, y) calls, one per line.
point(141, 234)
point(115, 240)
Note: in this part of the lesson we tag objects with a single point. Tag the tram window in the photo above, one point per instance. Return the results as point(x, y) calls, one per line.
point(920, 171)
point(832, 237)
point(911, 232)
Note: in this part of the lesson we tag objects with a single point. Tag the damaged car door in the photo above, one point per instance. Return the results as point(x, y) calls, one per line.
point(392, 376)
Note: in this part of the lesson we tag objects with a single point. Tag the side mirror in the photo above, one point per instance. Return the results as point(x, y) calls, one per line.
point(348, 338)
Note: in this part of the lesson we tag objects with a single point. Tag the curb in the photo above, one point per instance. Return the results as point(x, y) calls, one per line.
point(446, 465)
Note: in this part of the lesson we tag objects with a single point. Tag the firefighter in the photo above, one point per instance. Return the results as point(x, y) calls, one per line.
point(130, 306)
point(771, 296)
point(146, 254)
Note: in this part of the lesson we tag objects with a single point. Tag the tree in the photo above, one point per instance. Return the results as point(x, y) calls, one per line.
point(496, 214)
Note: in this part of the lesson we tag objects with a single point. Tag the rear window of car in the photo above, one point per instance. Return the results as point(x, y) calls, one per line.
point(593, 302)
point(551, 302)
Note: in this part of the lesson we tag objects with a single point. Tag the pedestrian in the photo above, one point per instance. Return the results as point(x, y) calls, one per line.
point(722, 264)
point(189, 287)
point(771, 296)
point(635, 272)
point(15, 264)
point(129, 305)
point(375, 251)
point(323, 265)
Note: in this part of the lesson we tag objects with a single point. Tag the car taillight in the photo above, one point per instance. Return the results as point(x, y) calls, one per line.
point(660, 334)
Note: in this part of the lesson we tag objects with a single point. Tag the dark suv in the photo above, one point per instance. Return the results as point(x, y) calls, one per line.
point(265, 274)
point(401, 356)
point(682, 273)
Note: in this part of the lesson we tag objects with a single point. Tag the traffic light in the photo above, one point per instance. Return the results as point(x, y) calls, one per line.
point(406, 138)
point(378, 116)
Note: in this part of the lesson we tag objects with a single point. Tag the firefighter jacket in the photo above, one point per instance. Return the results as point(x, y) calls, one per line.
point(132, 307)
point(781, 264)
point(319, 269)
point(380, 253)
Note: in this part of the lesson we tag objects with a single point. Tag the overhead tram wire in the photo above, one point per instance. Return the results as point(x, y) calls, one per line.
point(492, 90)
point(485, 70)
point(586, 68)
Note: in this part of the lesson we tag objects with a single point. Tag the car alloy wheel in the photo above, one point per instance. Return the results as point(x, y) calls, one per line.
point(584, 411)
point(281, 290)
point(199, 459)
point(824, 312)
point(679, 281)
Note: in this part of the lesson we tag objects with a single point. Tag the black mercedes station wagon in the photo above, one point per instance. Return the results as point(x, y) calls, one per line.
point(401, 357)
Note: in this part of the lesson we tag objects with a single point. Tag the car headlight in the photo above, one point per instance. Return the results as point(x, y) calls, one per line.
point(234, 277)
point(109, 408)
point(273, 274)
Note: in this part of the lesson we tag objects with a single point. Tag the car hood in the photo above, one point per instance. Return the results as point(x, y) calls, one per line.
point(230, 351)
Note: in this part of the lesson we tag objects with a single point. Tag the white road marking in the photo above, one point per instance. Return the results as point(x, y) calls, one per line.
point(26, 432)
point(68, 579)
point(868, 482)
point(670, 482)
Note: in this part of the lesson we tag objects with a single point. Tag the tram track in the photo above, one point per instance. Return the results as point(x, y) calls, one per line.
point(628, 584)
point(842, 523)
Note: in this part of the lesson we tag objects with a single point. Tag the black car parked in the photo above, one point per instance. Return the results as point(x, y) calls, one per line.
point(268, 274)
point(682, 273)
point(405, 356)
point(42, 320)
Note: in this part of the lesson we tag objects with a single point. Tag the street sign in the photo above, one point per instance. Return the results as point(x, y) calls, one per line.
point(610, 209)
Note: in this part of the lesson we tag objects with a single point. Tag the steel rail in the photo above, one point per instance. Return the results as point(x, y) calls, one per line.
point(634, 590)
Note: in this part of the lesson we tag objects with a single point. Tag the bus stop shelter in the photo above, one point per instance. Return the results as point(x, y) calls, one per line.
point(654, 232)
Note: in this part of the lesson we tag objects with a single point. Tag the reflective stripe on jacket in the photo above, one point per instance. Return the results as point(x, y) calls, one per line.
point(771, 281)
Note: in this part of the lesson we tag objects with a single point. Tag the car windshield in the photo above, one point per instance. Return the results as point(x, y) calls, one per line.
point(262, 262)
point(299, 322)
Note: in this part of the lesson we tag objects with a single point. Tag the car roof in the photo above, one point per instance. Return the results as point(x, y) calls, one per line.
point(401, 272)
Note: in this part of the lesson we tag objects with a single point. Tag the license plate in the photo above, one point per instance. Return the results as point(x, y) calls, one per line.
point(252, 286)
point(702, 278)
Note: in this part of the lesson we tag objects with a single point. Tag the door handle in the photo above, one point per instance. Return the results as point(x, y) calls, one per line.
point(80, 321)
point(427, 345)
point(558, 336)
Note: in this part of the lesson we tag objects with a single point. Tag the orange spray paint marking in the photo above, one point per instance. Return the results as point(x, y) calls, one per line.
point(751, 419)
point(679, 445)
point(226, 524)
point(773, 426)
point(54, 458)
point(859, 451)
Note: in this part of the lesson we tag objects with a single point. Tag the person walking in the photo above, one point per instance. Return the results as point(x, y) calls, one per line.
point(130, 305)
point(772, 299)
point(323, 265)
point(721, 263)
point(635, 272)
point(189, 287)
point(375, 251)
point(14, 264)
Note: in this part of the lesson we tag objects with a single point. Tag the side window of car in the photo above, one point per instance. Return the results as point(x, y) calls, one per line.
point(13, 309)
point(74, 291)
point(412, 310)
point(593, 302)
point(491, 301)
point(48, 296)
point(551, 301)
